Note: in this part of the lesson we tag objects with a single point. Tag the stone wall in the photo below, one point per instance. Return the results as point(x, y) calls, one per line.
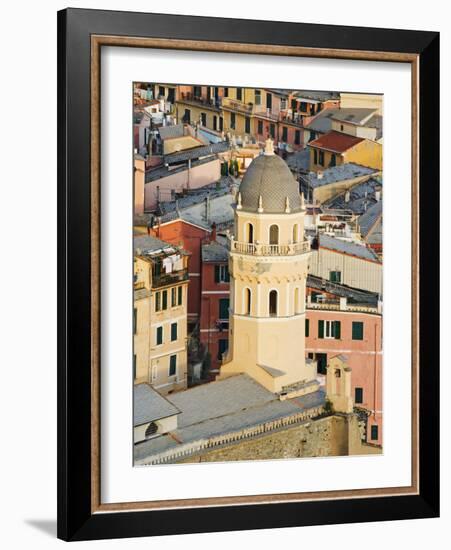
point(329, 436)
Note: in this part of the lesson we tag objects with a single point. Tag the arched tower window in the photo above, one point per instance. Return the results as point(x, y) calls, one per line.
point(295, 233)
point(247, 301)
point(274, 234)
point(273, 303)
point(250, 233)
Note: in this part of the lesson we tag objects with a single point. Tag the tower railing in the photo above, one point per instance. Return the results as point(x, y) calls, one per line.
point(257, 249)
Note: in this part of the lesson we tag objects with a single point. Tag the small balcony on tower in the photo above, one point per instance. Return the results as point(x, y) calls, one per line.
point(258, 249)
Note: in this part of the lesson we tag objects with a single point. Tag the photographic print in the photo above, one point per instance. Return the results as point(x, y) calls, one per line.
point(257, 273)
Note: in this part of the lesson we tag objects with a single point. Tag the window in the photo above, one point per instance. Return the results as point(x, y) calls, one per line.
point(329, 329)
point(285, 134)
point(173, 332)
point(295, 233)
point(260, 127)
point(315, 156)
point(375, 432)
point(173, 296)
point(273, 303)
point(221, 124)
point(203, 119)
point(297, 137)
point(187, 116)
point(135, 318)
point(215, 123)
point(151, 429)
point(269, 101)
point(357, 330)
point(232, 121)
point(250, 233)
point(223, 308)
point(321, 158)
point(239, 94)
point(341, 127)
point(307, 328)
point(247, 301)
point(333, 160)
point(247, 125)
point(172, 365)
point(303, 106)
point(165, 299)
point(294, 105)
point(161, 91)
point(358, 395)
point(335, 276)
point(223, 346)
point(274, 234)
point(180, 295)
point(226, 92)
point(272, 130)
point(197, 91)
point(258, 97)
point(159, 339)
point(157, 301)
point(222, 274)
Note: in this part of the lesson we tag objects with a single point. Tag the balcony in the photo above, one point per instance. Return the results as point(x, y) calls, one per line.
point(211, 103)
point(167, 279)
point(234, 105)
point(255, 249)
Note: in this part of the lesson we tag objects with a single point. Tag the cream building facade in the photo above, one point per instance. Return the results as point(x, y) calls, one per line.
point(268, 266)
point(160, 316)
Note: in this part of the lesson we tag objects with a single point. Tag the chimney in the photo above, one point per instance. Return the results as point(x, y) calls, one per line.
point(347, 196)
point(213, 232)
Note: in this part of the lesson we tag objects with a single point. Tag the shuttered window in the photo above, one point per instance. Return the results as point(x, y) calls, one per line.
point(224, 308)
point(172, 365)
point(173, 296)
point(173, 332)
point(307, 328)
point(357, 330)
point(159, 336)
point(165, 299)
point(375, 432)
point(358, 395)
point(180, 295)
point(329, 329)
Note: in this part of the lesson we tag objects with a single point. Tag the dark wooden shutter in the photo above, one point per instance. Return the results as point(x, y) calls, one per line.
point(337, 330)
point(307, 327)
point(320, 329)
point(216, 273)
point(173, 332)
point(357, 330)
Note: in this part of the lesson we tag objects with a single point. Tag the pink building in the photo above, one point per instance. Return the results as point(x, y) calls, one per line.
point(354, 330)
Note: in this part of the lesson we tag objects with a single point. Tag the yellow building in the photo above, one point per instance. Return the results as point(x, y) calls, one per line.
point(268, 267)
point(160, 314)
point(336, 148)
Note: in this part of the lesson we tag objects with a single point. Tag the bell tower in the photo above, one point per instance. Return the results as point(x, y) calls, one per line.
point(268, 267)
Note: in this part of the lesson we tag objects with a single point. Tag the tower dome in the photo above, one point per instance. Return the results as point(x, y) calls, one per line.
point(269, 186)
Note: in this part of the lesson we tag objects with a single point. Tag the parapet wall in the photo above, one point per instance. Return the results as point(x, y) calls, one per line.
point(337, 435)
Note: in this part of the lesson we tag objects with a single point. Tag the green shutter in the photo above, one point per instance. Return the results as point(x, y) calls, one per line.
point(173, 296)
point(165, 299)
point(180, 294)
point(307, 327)
point(320, 329)
point(173, 332)
point(159, 335)
point(337, 330)
point(357, 330)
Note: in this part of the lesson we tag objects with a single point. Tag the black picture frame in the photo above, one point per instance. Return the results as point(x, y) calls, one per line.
point(76, 520)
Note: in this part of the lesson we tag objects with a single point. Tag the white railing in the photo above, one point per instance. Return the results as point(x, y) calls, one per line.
point(269, 249)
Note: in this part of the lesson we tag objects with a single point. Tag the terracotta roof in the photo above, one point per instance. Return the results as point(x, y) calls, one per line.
point(336, 142)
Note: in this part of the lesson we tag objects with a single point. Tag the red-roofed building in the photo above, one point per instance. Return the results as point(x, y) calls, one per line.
point(336, 148)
